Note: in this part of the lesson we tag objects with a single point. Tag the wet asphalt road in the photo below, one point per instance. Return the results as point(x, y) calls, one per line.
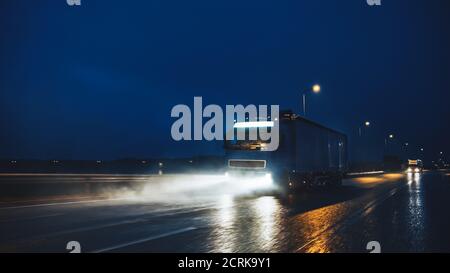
point(404, 213)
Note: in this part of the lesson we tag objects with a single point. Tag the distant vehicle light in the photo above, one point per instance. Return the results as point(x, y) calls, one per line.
point(416, 170)
point(254, 124)
point(409, 170)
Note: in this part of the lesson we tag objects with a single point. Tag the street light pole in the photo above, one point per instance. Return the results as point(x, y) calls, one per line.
point(316, 89)
point(386, 139)
point(366, 124)
point(363, 142)
point(304, 104)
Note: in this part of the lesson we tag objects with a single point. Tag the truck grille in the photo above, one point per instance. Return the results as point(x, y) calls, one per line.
point(247, 164)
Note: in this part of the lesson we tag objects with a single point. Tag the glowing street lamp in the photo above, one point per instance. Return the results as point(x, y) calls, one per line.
point(386, 139)
point(316, 88)
point(366, 124)
point(364, 145)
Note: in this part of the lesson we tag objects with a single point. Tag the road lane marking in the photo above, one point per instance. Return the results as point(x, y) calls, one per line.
point(151, 216)
point(107, 176)
point(24, 201)
point(63, 203)
point(140, 241)
point(31, 218)
point(348, 220)
point(75, 175)
point(115, 224)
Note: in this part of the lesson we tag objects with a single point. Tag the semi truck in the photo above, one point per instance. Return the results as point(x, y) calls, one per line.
point(309, 155)
point(414, 166)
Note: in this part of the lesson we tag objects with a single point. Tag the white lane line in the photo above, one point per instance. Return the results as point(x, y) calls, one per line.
point(46, 200)
point(95, 227)
point(151, 238)
point(62, 203)
point(163, 213)
point(75, 175)
point(95, 175)
point(120, 223)
point(354, 216)
point(31, 218)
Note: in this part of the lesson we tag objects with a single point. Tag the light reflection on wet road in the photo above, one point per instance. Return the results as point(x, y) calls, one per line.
point(402, 212)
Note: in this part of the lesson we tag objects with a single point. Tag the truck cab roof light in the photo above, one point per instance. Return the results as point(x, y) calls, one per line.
point(254, 124)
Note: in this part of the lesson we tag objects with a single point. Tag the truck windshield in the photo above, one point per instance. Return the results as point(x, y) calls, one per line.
point(251, 145)
point(255, 145)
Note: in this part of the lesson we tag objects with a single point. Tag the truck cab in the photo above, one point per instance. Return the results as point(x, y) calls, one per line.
point(414, 166)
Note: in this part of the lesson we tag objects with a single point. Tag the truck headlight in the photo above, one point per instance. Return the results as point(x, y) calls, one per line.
point(416, 170)
point(409, 170)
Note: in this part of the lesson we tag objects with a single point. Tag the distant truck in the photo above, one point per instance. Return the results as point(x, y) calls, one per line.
point(414, 166)
point(309, 154)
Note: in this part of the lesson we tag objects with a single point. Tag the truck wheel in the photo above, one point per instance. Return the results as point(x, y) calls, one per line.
point(286, 181)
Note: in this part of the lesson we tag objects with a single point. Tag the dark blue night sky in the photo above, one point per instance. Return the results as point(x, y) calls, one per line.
point(98, 81)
